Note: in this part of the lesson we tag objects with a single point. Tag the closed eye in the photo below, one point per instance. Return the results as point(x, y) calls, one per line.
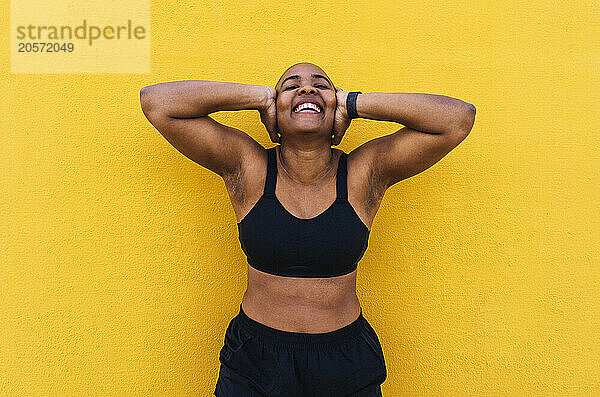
point(318, 86)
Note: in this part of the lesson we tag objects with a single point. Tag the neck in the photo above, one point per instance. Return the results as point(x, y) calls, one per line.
point(306, 165)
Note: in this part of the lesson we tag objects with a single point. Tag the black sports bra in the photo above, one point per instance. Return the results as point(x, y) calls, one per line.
point(279, 243)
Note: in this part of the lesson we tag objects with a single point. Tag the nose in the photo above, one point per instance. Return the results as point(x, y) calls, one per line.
point(308, 89)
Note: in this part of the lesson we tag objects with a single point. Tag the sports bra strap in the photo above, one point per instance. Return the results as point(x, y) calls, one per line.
point(271, 172)
point(342, 178)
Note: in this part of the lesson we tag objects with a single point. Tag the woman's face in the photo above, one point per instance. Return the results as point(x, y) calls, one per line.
point(298, 84)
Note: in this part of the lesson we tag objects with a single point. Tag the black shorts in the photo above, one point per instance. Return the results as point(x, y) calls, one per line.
point(257, 360)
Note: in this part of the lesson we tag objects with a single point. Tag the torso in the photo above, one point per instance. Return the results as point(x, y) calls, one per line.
point(295, 304)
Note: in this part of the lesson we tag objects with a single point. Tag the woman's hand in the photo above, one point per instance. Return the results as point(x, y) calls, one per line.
point(342, 121)
point(268, 114)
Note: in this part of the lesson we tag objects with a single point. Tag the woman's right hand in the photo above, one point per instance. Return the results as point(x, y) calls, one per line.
point(268, 114)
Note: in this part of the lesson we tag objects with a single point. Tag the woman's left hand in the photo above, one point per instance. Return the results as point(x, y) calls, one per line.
point(341, 121)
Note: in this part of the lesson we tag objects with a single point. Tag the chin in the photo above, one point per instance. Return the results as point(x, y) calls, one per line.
point(308, 128)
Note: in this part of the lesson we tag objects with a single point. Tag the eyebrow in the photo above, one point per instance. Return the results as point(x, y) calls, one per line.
point(297, 77)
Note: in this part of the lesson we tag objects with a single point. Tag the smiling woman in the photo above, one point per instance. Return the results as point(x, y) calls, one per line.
point(304, 213)
point(291, 80)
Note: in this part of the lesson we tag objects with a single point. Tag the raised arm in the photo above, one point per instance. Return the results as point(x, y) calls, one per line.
point(179, 111)
point(435, 124)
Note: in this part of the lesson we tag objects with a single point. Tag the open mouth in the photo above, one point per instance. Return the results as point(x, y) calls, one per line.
point(308, 108)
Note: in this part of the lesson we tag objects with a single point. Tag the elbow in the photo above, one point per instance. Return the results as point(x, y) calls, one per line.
point(145, 92)
point(146, 101)
point(470, 116)
point(466, 120)
point(471, 110)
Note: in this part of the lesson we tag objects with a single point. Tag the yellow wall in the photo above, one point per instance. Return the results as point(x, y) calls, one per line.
point(120, 264)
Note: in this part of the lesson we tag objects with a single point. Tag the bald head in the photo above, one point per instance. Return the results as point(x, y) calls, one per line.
point(290, 72)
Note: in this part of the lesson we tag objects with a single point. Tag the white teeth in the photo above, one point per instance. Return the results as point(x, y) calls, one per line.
point(307, 105)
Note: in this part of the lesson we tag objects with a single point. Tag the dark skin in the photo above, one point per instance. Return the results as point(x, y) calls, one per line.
point(280, 96)
point(307, 164)
point(305, 153)
point(306, 186)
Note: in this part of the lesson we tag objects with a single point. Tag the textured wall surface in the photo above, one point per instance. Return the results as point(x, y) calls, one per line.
point(120, 265)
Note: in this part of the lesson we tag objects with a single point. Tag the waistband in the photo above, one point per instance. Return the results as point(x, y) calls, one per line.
point(286, 337)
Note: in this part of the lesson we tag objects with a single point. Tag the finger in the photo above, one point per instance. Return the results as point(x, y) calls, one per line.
point(272, 133)
point(277, 133)
point(274, 136)
point(336, 136)
point(336, 140)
